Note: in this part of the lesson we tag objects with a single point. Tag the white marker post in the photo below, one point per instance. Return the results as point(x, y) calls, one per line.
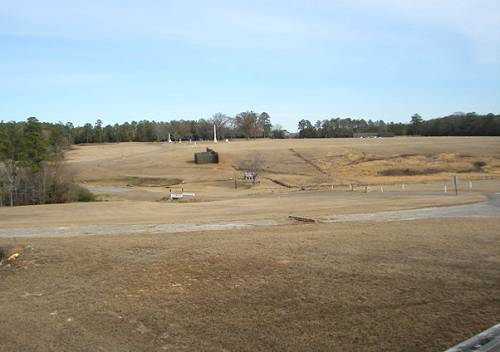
point(403, 186)
point(445, 188)
point(169, 139)
point(215, 134)
point(470, 185)
point(381, 189)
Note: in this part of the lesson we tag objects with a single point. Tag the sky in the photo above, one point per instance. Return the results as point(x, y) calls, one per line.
point(120, 60)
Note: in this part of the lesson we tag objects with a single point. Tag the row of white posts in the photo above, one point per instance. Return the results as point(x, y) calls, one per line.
point(403, 187)
point(446, 187)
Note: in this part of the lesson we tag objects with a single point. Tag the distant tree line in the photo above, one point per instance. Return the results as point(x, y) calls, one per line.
point(31, 171)
point(458, 124)
point(248, 124)
point(346, 127)
point(31, 152)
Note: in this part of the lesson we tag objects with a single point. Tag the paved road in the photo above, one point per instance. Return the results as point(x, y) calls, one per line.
point(490, 208)
point(487, 341)
point(133, 229)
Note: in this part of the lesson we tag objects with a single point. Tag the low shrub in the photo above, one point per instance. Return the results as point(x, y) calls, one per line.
point(479, 164)
point(3, 253)
point(84, 195)
point(409, 172)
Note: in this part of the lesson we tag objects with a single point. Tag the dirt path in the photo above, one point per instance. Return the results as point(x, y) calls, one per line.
point(308, 161)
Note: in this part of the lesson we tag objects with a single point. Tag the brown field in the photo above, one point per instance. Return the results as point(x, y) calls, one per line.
point(368, 286)
point(298, 163)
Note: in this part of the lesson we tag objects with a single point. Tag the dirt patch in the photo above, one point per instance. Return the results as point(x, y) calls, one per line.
point(453, 164)
point(417, 167)
point(424, 171)
point(139, 181)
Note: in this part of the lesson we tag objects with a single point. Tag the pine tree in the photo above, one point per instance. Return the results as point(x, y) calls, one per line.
point(35, 147)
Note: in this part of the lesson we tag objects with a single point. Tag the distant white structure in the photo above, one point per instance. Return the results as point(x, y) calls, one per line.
point(215, 134)
point(169, 139)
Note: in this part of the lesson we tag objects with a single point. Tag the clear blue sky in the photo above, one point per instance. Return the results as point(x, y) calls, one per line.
point(125, 60)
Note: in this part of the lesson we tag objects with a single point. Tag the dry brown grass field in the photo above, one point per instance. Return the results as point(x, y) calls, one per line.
point(297, 163)
point(410, 285)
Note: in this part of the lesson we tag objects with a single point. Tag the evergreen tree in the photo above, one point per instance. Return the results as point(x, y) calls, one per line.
point(306, 129)
point(35, 146)
point(264, 122)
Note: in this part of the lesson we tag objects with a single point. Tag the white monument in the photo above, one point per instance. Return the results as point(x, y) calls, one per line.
point(215, 134)
point(169, 139)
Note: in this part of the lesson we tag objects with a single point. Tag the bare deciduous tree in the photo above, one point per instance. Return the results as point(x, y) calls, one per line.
point(251, 165)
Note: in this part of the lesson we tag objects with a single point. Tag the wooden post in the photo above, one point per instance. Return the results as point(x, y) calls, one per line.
point(235, 182)
point(455, 182)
